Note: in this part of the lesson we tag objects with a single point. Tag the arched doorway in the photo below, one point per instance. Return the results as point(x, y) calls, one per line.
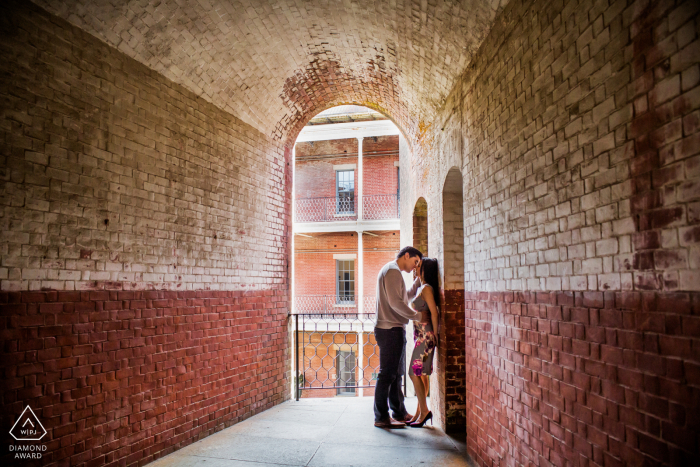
point(420, 226)
point(451, 395)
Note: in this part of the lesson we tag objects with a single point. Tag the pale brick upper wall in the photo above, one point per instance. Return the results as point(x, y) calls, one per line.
point(578, 143)
point(452, 263)
point(115, 177)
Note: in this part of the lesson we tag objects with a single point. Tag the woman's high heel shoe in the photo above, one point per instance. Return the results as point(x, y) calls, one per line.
point(421, 423)
point(410, 422)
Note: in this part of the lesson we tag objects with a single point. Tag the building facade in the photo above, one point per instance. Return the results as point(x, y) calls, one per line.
point(346, 226)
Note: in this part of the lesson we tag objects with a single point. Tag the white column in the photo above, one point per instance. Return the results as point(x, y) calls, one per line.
point(294, 213)
point(360, 261)
point(361, 355)
point(292, 336)
point(360, 274)
point(360, 177)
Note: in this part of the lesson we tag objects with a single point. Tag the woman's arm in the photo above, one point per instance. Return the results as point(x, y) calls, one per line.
point(411, 293)
point(430, 300)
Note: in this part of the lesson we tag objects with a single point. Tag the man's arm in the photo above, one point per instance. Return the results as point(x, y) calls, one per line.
point(414, 288)
point(392, 283)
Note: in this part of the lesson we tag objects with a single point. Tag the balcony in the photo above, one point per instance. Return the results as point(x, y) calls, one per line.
point(332, 304)
point(334, 209)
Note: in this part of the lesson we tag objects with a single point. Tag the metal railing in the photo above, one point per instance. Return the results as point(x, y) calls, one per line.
point(333, 304)
point(370, 304)
point(337, 352)
point(325, 209)
point(333, 209)
point(377, 207)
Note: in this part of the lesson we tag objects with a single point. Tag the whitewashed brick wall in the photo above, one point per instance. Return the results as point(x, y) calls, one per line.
point(114, 177)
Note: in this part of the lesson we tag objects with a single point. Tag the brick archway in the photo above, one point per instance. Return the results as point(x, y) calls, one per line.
point(450, 397)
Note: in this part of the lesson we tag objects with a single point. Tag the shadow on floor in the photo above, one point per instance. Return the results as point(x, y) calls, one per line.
point(321, 433)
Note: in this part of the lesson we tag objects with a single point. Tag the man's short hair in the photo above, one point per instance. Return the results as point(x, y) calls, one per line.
point(412, 252)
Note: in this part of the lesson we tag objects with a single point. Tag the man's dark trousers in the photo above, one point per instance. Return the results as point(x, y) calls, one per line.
point(392, 363)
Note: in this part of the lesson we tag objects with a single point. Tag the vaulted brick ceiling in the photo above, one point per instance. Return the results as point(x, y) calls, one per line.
point(276, 63)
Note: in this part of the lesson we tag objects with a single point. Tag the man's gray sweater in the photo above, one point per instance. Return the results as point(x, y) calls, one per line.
point(392, 298)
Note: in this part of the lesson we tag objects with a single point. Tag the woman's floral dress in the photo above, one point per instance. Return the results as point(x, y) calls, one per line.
point(423, 338)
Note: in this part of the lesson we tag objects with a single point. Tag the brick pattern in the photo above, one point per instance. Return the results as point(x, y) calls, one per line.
point(575, 130)
point(276, 64)
point(583, 378)
point(374, 262)
point(449, 399)
point(314, 266)
point(380, 174)
point(420, 226)
point(115, 178)
point(126, 377)
point(316, 178)
point(452, 260)
point(448, 402)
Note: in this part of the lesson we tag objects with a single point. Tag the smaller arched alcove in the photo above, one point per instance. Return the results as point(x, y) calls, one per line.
point(420, 226)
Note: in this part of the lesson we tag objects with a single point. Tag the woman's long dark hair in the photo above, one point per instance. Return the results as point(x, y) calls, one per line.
point(431, 273)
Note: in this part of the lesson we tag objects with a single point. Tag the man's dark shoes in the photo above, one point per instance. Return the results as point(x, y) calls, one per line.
point(406, 418)
point(390, 423)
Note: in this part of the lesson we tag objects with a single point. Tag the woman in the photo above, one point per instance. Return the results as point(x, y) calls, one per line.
point(425, 337)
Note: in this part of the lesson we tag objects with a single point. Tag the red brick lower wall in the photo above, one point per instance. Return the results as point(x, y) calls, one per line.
point(127, 377)
point(449, 400)
point(585, 378)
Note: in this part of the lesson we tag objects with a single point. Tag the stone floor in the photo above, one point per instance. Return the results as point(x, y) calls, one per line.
point(323, 433)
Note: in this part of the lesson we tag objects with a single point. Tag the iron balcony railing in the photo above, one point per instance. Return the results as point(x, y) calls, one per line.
point(325, 209)
point(379, 207)
point(375, 207)
point(336, 352)
point(333, 304)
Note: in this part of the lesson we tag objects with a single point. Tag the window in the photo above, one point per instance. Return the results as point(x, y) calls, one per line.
point(345, 369)
point(345, 191)
point(345, 283)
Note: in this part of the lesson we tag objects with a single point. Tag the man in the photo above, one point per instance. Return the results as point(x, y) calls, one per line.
point(393, 313)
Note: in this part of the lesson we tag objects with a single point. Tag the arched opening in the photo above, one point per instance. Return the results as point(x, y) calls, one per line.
point(420, 226)
point(346, 228)
point(450, 396)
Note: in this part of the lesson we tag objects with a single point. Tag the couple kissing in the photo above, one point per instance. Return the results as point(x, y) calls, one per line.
point(396, 306)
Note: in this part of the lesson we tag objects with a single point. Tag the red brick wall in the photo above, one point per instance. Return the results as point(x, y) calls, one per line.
point(315, 177)
point(126, 377)
point(449, 400)
point(380, 173)
point(314, 267)
point(378, 251)
point(340, 147)
point(567, 378)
